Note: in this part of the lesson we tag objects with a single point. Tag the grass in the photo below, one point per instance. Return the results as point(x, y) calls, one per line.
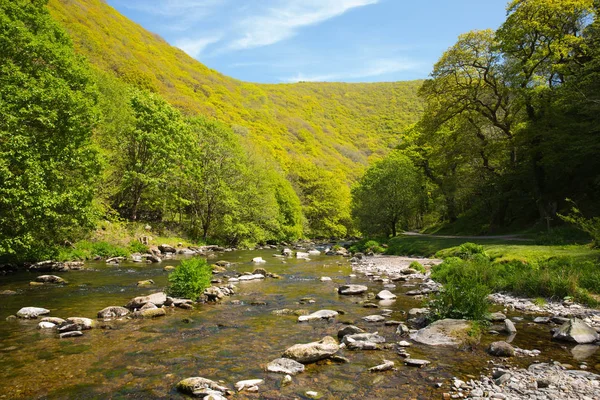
point(520, 267)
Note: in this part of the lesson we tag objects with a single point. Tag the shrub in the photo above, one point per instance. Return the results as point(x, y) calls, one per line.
point(417, 267)
point(190, 279)
point(589, 225)
point(469, 250)
point(465, 298)
point(135, 246)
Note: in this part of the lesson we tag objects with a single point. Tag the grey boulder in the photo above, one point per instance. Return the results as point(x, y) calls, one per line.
point(575, 330)
point(314, 351)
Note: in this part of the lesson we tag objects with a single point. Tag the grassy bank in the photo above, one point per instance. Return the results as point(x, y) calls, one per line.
point(120, 239)
point(520, 267)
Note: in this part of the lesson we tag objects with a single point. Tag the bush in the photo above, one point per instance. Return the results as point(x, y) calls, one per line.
point(135, 246)
point(366, 246)
point(469, 250)
point(86, 250)
point(417, 267)
point(190, 279)
point(591, 226)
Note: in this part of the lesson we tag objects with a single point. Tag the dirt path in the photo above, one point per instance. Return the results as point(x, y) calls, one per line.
point(515, 238)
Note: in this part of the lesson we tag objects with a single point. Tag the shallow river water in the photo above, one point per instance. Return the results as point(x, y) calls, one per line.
point(144, 359)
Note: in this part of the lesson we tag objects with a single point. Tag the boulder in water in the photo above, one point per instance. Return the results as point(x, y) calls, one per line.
point(321, 314)
point(285, 366)
point(314, 351)
point(445, 332)
point(113, 312)
point(501, 349)
point(31, 312)
point(575, 330)
point(158, 299)
point(352, 289)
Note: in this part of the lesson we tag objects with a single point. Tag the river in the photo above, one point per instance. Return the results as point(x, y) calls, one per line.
point(229, 342)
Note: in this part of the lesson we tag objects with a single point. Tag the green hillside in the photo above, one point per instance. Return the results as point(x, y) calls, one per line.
point(337, 126)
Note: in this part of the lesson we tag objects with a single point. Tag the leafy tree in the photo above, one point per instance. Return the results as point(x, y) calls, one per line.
point(190, 278)
point(388, 197)
point(47, 113)
point(149, 151)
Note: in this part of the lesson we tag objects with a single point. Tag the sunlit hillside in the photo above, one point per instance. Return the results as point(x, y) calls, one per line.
point(337, 126)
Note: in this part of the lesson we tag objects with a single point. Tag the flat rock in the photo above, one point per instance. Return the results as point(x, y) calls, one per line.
point(251, 277)
point(413, 362)
point(373, 318)
point(386, 366)
point(363, 341)
point(575, 330)
point(57, 280)
point(248, 383)
point(349, 330)
point(147, 282)
point(83, 323)
point(386, 295)
point(541, 320)
point(46, 325)
point(501, 349)
point(497, 317)
point(53, 320)
point(314, 351)
point(285, 366)
point(158, 299)
point(445, 332)
point(31, 312)
point(325, 279)
point(258, 260)
point(352, 289)
point(321, 314)
point(197, 386)
point(150, 313)
point(69, 334)
point(418, 311)
point(113, 312)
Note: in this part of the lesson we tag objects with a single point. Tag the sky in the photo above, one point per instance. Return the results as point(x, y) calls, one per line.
point(281, 41)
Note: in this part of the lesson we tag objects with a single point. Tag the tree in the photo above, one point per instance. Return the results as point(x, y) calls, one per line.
point(47, 114)
point(388, 196)
point(150, 150)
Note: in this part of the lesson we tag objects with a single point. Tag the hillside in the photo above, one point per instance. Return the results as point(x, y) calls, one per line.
point(336, 126)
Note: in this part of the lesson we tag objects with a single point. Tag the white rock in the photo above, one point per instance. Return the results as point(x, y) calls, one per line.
point(325, 279)
point(321, 314)
point(31, 312)
point(249, 383)
point(258, 260)
point(46, 325)
point(386, 295)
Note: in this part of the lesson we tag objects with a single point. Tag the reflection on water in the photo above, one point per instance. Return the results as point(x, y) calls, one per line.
point(231, 341)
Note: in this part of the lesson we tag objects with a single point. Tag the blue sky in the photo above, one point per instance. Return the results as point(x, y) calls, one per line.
point(274, 41)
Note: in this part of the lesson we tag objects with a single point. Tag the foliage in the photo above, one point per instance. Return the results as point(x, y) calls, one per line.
point(469, 250)
point(463, 299)
point(190, 278)
point(417, 266)
point(589, 225)
point(47, 112)
point(87, 250)
point(135, 246)
point(388, 196)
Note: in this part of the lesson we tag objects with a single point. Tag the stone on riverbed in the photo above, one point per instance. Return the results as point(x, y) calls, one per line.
point(249, 383)
point(57, 280)
point(46, 325)
point(386, 295)
point(31, 312)
point(69, 334)
point(112, 312)
point(76, 324)
point(158, 299)
point(352, 289)
point(198, 386)
point(575, 330)
point(445, 332)
point(285, 366)
point(509, 327)
point(363, 341)
point(497, 317)
point(374, 318)
point(386, 366)
point(258, 260)
point(53, 320)
point(150, 313)
point(148, 282)
point(413, 362)
point(501, 349)
point(321, 314)
point(349, 330)
point(251, 277)
point(314, 351)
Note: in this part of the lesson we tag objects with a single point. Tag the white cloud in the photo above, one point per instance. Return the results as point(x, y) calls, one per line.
point(194, 47)
point(372, 68)
point(282, 21)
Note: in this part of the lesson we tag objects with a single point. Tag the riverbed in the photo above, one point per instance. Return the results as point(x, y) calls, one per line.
point(232, 340)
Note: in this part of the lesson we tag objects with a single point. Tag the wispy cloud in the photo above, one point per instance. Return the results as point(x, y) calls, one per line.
point(194, 47)
point(371, 69)
point(284, 19)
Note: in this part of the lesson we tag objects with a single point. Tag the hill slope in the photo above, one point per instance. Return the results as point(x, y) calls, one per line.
point(336, 126)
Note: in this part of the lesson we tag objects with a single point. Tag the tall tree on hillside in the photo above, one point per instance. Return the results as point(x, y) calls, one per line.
point(47, 113)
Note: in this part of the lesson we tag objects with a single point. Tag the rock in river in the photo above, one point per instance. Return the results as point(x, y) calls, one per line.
point(198, 386)
point(314, 351)
point(51, 279)
point(112, 312)
point(352, 289)
point(348, 330)
point(150, 313)
point(31, 312)
point(574, 330)
point(363, 341)
point(386, 295)
point(158, 299)
point(501, 349)
point(241, 385)
point(374, 318)
point(386, 366)
point(285, 366)
point(445, 332)
point(321, 314)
